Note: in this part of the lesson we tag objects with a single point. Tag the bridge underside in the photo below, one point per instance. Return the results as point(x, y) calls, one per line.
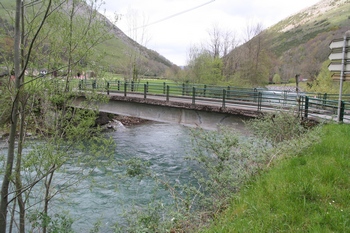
point(161, 111)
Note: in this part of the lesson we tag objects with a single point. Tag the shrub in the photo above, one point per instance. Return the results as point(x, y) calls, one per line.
point(277, 127)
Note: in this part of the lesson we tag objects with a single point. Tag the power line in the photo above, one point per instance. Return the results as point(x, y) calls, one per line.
point(174, 15)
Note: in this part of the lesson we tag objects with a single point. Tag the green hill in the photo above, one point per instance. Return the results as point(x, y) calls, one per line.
point(116, 53)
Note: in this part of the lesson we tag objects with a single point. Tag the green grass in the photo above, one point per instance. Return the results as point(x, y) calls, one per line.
point(306, 193)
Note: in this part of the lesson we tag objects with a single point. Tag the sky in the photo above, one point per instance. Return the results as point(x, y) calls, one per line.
point(172, 27)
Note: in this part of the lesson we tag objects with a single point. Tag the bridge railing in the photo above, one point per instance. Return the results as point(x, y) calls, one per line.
point(319, 105)
point(320, 108)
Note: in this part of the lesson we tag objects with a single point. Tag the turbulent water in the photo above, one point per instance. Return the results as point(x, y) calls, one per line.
point(164, 146)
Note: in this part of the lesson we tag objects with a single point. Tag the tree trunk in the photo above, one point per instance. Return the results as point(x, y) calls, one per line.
point(23, 102)
point(47, 197)
point(14, 117)
point(18, 180)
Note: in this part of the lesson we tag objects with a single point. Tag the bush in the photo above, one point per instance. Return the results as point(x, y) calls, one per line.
point(276, 79)
point(277, 127)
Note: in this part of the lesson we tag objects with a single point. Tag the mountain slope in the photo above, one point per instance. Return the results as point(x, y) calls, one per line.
point(328, 18)
point(302, 40)
point(154, 62)
point(117, 52)
point(299, 44)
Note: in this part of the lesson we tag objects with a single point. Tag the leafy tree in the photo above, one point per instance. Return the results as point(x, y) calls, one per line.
point(176, 73)
point(206, 63)
point(204, 68)
point(324, 82)
point(57, 35)
point(276, 78)
point(255, 59)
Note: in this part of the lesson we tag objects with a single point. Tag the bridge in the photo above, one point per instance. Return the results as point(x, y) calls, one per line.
point(206, 106)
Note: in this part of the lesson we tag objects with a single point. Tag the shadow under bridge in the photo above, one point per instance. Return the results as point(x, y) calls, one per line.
point(202, 116)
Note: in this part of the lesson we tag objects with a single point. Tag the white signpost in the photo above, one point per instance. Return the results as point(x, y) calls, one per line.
point(338, 55)
point(337, 67)
point(339, 43)
point(340, 63)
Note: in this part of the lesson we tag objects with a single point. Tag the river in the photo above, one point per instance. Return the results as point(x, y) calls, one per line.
point(164, 146)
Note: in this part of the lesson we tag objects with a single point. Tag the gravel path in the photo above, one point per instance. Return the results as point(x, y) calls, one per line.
point(282, 88)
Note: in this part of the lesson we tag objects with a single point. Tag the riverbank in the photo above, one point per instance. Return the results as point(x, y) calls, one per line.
point(129, 121)
point(309, 192)
point(103, 119)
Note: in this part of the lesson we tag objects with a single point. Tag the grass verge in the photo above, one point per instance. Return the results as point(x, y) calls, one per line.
point(306, 193)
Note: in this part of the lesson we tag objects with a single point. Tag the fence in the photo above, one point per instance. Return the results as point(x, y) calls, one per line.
point(315, 105)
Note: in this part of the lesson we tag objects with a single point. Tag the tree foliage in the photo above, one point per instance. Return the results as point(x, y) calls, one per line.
point(205, 63)
point(58, 36)
point(276, 79)
point(277, 127)
point(221, 61)
point(324, 82)
point(204, 68)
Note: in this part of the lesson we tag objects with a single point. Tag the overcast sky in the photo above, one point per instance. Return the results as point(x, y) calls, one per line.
point(175, 25)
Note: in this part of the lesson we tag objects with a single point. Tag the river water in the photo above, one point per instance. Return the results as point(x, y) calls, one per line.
point(164, 146)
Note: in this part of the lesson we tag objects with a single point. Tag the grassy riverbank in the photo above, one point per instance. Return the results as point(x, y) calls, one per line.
point(306, 193)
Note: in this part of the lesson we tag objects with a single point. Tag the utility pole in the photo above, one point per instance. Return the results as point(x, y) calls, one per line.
point(297, 83)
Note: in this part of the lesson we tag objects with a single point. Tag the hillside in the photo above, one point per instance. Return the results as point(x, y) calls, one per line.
point(299, 44)
point(115, 51)
point(306, 35)
point(120, 43)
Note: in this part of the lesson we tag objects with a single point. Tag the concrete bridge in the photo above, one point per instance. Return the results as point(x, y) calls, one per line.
point(207, 107)
point(180, 112)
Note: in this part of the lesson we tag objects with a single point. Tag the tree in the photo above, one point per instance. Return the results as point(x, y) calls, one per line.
point(134, 64)
point(215, 44)
point(252, 61)
point(253, 67)
point(203, 67)
point(324, 82)
point(62, 43)
point(276, 79)
point(206, 63)
point(13, 122)
point(221, 41)
point(220, 44)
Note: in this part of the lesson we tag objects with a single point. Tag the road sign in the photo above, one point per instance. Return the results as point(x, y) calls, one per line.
point(340, 51)
point(337, 67)
point(339, 43)
point(336, 77)
point(338, 55)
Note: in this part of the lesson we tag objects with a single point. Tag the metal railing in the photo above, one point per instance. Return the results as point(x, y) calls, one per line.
point(323, 106)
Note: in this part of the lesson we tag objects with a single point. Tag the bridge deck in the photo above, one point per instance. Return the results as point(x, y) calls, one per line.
point(234, 101)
